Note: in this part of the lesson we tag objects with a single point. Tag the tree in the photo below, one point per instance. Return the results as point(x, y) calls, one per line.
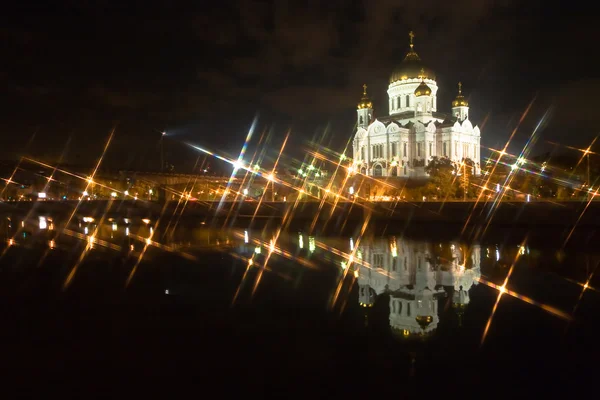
point(442, 173)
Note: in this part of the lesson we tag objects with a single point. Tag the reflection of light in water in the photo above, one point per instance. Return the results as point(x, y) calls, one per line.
point(246, 237)
point(166, 291)
point(146, 221)
point(131, 247)
point(11, 242)
point(127, 231)
point(88, 219)
point(91, 240)
point(351, 244)
point(148, 241)
point(51, 244)
point(311, 244)
point(114, 226)
point(151, 231)
point(43, 223)
point(86, 230)
point(300, 241)
point(257, 250)
point(22, 224)
point(497, 254)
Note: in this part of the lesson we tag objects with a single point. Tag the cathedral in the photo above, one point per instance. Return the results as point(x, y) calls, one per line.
point(402, 143)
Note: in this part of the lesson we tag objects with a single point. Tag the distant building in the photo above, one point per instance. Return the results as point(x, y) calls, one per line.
point(402, 143)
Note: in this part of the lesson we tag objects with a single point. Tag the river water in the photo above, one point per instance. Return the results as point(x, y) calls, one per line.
point(113, 305)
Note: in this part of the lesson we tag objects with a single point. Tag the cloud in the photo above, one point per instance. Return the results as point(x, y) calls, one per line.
point(340, 46)
point(306, 100)
point(574, 104)
point(122, 98)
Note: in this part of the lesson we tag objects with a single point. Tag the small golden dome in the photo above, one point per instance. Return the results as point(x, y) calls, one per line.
point(365, 102)
point(422, 89)
point(460, 100)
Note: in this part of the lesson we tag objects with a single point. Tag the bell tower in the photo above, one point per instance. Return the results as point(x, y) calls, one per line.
point(364, 110)
point(460, 105)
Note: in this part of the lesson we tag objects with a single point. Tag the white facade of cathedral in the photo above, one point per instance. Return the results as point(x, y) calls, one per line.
point(403, 269)
point(402, 143)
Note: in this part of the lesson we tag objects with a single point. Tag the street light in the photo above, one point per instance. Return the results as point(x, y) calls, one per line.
point(162, 153)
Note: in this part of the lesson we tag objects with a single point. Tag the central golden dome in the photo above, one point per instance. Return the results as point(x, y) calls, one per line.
point(411, 66)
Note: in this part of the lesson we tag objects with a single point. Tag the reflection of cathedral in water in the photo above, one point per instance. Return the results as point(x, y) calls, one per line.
point(415, 274)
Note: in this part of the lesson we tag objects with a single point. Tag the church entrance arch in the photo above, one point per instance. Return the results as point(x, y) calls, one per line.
point(377, 170)
point(394, 171)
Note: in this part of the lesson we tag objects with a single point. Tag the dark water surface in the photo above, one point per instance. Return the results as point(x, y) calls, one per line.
point(114, 307)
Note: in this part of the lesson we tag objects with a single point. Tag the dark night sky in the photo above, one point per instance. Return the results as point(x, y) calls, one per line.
point(203, 72)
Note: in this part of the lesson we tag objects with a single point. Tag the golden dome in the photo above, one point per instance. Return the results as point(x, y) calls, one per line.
point(412, 66)
point(424, 320)
point(365, 102)
point(460, 100)
point(422, 89)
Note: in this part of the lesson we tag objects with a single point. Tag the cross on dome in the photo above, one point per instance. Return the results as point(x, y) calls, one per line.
point(365, 89)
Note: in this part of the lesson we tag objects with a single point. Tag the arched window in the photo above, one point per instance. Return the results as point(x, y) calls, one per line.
point(360, 120)
point(397, 102)
point(377, 170)
point(408, 100)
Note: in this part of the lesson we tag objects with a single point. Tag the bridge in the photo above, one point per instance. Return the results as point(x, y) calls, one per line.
point(523, 214)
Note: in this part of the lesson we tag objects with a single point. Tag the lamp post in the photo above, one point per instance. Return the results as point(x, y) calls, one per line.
point(465, 180)
point(162, 153)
